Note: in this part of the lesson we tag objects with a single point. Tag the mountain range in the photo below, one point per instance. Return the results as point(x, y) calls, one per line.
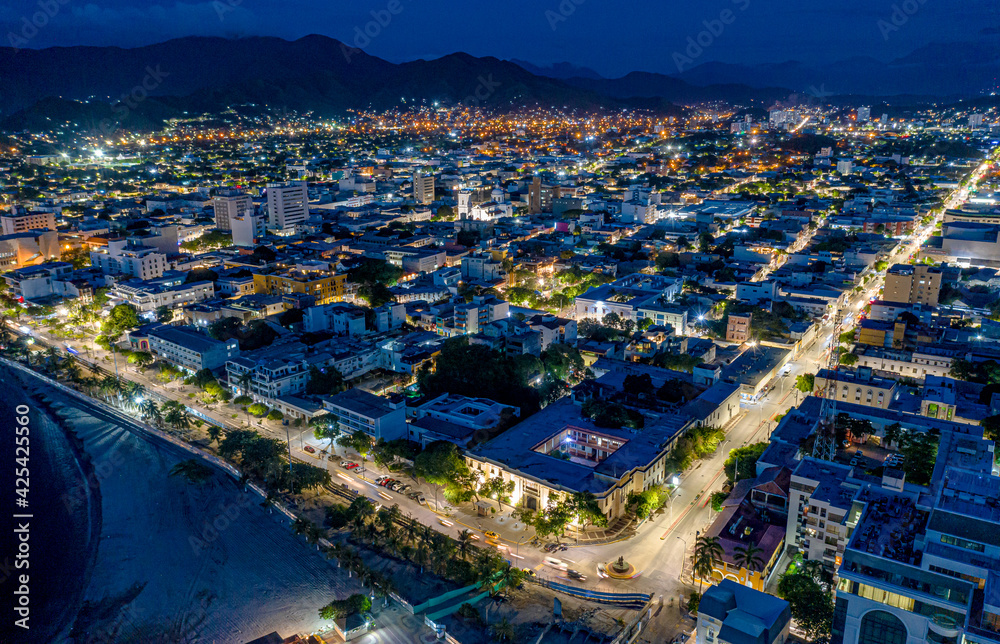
point(327, 77)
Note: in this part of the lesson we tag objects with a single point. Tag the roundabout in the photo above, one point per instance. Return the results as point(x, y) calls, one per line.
point(620, 569)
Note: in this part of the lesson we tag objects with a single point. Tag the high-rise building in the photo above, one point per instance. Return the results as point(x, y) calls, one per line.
point(539, 197)
point(423, 188)
point(912, 284)
point(864, 114)
point(287, 205)
point(229, 204)
point(975, 120)
point(923, 567)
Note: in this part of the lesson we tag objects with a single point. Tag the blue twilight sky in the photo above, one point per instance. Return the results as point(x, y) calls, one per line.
point(612, 38)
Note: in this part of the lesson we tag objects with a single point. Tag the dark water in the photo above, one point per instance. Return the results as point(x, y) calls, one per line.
point(62, 529)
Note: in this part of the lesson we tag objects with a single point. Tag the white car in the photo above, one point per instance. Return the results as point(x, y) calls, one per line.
point(558, 564)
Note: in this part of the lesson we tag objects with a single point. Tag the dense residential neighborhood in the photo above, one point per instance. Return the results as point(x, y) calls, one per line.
point(744, 363)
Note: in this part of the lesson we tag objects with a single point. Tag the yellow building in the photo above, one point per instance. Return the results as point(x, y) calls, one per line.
point(324, 287)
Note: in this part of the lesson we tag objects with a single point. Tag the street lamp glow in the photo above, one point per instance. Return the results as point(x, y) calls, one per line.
point(676, 481)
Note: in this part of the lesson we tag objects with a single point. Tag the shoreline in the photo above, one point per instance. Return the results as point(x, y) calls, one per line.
point(146, 581)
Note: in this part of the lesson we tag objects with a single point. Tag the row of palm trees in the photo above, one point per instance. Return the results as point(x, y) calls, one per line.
point(707, 556)
point(126, 395)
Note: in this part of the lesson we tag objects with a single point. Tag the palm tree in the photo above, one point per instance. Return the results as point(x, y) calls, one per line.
point(749, 557)
point(71, 371)
point(893, 433)
point(410, 529)
point(214, 433)
point(112, 387)
point(464, 544)
point(178, 419)
point(384, 587)
point(192, 470)
point(268, 503)
point(503, 631)
point(151, 412)
point(132, 393)
point(313, 534)
point(510, 577)
point(244, 380)
point(301, 525)
point(707, 555)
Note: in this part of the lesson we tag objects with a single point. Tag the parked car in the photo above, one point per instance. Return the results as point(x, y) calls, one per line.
point(529, 572)
point(403, 488)
point(577, 575)
point(379, 480)
point(348, 465)
point(310, 449)
point(395, 485)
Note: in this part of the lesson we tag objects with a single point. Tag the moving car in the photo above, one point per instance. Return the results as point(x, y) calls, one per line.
point(351, 466)
point(577, 575)
point(491, 535)
point(558, 564)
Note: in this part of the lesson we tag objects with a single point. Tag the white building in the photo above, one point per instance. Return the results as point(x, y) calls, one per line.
point(287, 205)
point(380, 418)
point(189, 348)
point(120, 259)
point(247, 228)
point(338, 317)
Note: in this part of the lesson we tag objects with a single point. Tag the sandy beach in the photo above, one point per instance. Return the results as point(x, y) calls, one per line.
point(179, 562)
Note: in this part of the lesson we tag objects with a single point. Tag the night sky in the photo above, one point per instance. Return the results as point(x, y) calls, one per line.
point(612, 38)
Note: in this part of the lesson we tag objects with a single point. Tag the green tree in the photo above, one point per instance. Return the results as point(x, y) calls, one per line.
point(706, 556)
point(848, 359)
point(748, 557)
point(806, 383)
point(746, 458)
point(258, 410)
point(810, 603)
point(497, 488)
point(164, 314)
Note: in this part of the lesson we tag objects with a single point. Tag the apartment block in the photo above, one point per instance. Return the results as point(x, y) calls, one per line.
point(380, 418)
point(470, 318)
point(190, 349)
point(287, 205)
point(859, 386)
point(738, 328)
point(423, 188)
point(917, 284)
point(228, 205)
point(323, 287)
point(21, 221)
